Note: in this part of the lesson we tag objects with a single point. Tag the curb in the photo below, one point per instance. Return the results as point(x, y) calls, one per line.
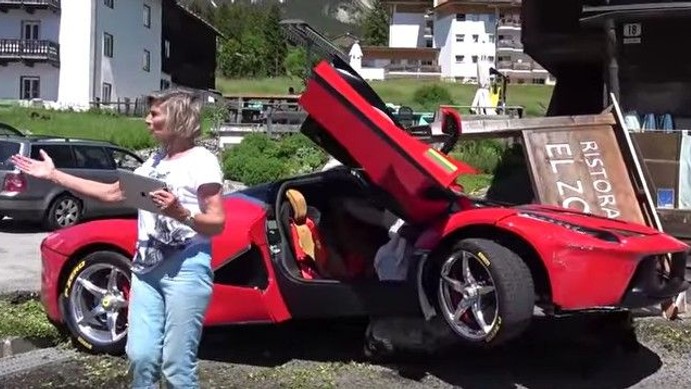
point(15, 345)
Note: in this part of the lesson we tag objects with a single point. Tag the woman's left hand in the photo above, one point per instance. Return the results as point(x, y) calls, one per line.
point(169, 204)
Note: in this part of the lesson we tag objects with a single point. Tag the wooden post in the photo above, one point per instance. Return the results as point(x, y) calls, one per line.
point(612, 63)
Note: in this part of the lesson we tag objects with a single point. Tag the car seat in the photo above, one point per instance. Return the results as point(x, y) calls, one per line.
point(310, 252)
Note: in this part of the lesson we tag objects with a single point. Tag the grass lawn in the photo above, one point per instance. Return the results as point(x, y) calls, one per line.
point(535, 98)
point(125, 131)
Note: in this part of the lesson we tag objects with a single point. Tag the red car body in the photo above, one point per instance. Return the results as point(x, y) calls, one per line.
point(578, 261)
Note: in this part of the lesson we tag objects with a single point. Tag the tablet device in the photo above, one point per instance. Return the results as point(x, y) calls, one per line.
point(136, 189)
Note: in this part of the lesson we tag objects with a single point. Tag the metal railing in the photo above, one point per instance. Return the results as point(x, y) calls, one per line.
point(29, 49)
point(42, 3)
point(509, 44)
point(509, 23)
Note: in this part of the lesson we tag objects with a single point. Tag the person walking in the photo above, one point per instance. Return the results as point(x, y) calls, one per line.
point(172, 277)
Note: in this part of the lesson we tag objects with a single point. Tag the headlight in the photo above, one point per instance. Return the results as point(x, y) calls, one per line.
point(595, 233)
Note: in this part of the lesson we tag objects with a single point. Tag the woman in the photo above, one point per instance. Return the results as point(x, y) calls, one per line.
point(171, 270)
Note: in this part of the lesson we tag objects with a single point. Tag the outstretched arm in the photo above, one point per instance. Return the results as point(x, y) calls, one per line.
point(45, 169)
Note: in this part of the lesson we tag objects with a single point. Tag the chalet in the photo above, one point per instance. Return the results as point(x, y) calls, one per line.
point(74, 53)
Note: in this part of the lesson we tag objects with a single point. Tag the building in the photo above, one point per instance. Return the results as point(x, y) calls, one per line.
point(447, 38)
point(77, 52)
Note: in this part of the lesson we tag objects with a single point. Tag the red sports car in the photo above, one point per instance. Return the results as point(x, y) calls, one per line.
point(290, 250)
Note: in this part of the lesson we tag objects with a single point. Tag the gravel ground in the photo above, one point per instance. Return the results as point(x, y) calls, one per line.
point(564, 353)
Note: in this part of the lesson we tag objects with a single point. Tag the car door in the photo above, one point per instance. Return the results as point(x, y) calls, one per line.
point(123, 159)
point(42, 191)
point(93, 163)
point(349, 120)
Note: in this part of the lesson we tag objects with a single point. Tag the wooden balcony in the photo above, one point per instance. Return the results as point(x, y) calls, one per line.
point(29, 51)
point(509, 23)
point(29, 5)
point(413, 68)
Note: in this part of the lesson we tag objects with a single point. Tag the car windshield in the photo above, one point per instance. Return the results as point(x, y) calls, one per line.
point(7, 149)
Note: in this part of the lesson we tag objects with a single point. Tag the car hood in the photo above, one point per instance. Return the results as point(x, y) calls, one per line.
point(585, 220)
point(349, 120)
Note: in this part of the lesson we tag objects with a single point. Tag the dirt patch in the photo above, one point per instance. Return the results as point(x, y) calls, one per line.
point(567, 352)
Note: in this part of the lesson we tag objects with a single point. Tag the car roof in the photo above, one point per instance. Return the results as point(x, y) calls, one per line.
point(51, 139)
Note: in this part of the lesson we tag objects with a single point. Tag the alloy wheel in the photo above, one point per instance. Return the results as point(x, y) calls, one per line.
point(66, 212)
point(99, 301)
point(467, 296)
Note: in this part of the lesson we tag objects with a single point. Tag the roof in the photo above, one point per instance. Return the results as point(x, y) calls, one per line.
point(195, 15)
point(443, 4)
point(386, 52)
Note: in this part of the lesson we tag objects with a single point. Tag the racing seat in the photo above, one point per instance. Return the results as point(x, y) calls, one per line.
point(310, 252)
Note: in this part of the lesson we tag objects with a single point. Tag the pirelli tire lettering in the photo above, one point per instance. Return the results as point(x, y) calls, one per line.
point(86, 299)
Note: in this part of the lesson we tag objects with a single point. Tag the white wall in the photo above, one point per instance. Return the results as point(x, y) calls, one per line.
point(443, 39)
point(76, 70)
point(11, 24)
point(10, 76)
point(482, 25)
point(124, 71)
point(407, 30)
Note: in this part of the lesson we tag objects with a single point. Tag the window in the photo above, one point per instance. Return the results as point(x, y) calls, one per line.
point(166, 48)
point(146, 61)
point(460, 37)
point(474, 58)
point(109, 3)
point(7, 150)
point(460, 58)
point(106, 92)
point(460, 17)
point(124, 159)
point(147, 16)
point(490, 38)
point(491, 58)
point(30, 30)
point(29, 88)
point(165, 84)
point(60, 154)
point(476, 38)
point(107, 45)
point(92, 157)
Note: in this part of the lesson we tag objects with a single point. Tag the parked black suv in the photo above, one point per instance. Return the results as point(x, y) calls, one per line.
point(26, 198)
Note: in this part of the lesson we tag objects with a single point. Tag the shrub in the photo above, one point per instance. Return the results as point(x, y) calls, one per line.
point(432, 95)
point(484, 155)
point(258, 158)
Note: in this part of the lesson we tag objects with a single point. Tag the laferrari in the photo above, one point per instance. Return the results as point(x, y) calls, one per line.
point(293, 250)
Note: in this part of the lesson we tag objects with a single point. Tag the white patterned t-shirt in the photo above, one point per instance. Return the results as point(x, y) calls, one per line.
point(160, 235)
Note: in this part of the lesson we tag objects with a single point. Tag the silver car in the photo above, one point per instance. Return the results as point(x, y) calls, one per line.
point(29, 199)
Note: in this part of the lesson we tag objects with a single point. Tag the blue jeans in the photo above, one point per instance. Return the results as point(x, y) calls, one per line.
point(166, 311)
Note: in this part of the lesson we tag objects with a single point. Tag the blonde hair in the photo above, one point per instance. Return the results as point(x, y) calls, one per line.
point(183, 111)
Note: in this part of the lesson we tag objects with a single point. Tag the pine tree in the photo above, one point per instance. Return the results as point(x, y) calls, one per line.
point(275, 42)
point(375, 25)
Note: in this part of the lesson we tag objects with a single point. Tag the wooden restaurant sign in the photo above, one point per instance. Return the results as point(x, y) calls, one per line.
point(582, 169)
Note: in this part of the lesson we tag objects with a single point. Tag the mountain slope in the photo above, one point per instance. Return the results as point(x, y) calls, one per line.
point(330, 17)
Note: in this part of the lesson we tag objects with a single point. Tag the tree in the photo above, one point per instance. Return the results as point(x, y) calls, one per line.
point(275, 42)
point(375, 25)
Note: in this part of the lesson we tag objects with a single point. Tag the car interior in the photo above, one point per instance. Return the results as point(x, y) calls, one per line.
point(334, 226)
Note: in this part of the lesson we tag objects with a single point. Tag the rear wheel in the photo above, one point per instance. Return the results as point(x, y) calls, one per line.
point(94, 302)
point(64, 211)
point(485, 292)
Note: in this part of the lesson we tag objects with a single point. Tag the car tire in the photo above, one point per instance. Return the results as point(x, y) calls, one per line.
point(94, 300)
point(64, 211)
point(491, 305)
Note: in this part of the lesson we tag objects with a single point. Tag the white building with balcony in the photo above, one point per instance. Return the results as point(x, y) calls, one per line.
point(462, 32)
point(75, 52)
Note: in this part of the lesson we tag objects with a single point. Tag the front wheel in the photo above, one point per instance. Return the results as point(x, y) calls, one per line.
point(94, 302)
point(485, 292)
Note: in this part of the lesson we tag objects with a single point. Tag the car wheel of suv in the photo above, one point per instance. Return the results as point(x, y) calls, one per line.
point(64, 211)
point(94, 302)
point(485, 292)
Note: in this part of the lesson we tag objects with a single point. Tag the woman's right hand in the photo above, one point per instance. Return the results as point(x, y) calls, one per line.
point(40, 169)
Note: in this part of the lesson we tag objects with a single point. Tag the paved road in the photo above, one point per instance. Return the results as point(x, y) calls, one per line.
point(19, 256)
